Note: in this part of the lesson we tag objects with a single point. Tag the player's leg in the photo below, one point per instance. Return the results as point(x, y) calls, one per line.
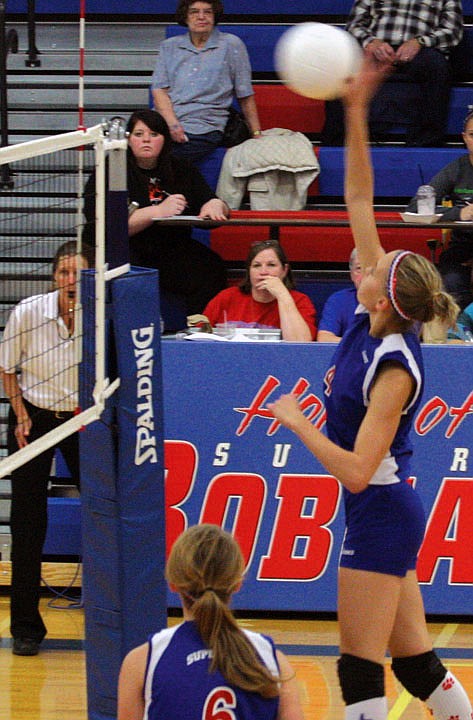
point(415, 663)
point(367, 604)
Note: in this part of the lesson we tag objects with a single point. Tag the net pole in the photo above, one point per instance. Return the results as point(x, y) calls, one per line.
point(81, 125)
point(100, 270)
point(80, 169)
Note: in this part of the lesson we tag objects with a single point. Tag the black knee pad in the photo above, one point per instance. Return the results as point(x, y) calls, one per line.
point(420, 674)
point(360, 679)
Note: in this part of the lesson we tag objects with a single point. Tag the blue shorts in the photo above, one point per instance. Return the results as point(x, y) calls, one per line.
point(385, 527)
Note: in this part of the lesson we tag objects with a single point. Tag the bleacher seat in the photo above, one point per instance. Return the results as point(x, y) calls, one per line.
point(277, 8)
point(325, 245)
point(398, 171)
point(168, 7)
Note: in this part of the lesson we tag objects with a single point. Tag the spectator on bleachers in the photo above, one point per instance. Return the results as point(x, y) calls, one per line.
point(161, 186)
point(266, 297)
point(454, 184)
point(464, 329)
point(196, 78)
point(339, 309)
point(417, 39)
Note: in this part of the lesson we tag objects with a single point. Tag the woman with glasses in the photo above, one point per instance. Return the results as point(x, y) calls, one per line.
point(266, 297)
point(39, 367)
point(196, 78)
point(454, 186)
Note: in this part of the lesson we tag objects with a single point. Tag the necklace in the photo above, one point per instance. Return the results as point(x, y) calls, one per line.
point(67, 318)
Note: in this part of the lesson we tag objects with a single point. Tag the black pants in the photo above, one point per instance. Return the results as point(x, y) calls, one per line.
point(425, 111)
point(456, 268)
point(28, 519)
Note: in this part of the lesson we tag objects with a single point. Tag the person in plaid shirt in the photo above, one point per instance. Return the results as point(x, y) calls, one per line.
point(416, 36)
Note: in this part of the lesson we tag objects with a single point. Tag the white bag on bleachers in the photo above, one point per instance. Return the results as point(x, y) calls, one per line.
point(276, 170)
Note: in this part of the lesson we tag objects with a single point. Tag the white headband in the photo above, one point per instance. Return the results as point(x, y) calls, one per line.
point(392, 282)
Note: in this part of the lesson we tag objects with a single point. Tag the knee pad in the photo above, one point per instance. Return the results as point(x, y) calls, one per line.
point(420, 674)
point(359, 679)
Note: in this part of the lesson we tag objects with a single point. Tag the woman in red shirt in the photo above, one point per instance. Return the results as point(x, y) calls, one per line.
point(266, 297)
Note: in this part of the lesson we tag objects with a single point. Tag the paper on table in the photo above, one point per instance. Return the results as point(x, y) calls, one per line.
point(194, 218)
point(415, 217)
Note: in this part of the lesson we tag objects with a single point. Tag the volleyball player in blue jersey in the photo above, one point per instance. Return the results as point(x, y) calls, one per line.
point(372, 391)
point(207, 667)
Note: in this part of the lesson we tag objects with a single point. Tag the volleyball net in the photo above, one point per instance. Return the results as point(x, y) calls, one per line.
point(44, 212)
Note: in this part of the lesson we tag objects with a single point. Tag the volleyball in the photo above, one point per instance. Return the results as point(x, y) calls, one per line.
point(314, 59)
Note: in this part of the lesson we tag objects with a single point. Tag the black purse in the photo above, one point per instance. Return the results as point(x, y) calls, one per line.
point(236, 130)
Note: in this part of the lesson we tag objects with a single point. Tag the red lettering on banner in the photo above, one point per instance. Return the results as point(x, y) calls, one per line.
point(249, 491)
point(430, 415)
point(459, 414)
point(436, 409)
point(294, 524)
point(448, 534)
point(180, 462)
point(258, 409)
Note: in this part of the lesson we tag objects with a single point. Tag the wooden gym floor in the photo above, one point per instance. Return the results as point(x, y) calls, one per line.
point(52, 686)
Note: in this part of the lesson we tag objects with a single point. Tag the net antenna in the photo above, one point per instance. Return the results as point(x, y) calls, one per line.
point(102, 139)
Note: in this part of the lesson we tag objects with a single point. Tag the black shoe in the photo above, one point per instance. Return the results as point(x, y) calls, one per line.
point(25, 646)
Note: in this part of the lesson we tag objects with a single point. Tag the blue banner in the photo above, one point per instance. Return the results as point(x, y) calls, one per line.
point(228, 461)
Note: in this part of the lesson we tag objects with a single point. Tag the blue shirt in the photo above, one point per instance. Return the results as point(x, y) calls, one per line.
point(339, 311)
point(464, 330)
point(348, 384)
point(179, 686)
point(202, 82)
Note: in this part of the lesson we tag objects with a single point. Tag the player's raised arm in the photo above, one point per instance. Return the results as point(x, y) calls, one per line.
point(359, 183)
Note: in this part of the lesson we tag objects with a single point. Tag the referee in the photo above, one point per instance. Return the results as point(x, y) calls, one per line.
point(39, 371)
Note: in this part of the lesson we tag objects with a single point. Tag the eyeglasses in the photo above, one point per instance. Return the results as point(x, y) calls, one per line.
point(265, 243)
point(206, 13)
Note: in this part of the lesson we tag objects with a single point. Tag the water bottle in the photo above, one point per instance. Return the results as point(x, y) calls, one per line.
point(425, 197)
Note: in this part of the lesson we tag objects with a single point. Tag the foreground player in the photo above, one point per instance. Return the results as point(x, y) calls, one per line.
point(207, 666)
point(372, 392)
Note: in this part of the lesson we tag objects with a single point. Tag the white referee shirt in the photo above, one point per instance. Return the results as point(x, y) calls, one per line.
point(36, 342)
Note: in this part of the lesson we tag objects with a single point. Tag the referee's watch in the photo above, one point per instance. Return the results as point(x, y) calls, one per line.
point(421, 41)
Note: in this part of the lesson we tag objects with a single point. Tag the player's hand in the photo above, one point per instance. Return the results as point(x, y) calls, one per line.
point(286, 410)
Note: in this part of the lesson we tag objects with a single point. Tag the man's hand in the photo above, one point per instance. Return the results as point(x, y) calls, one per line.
point(178, 134)
point(407, 51)
point(381, 51)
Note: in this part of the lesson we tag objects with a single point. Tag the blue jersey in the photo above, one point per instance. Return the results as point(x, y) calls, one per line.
point(347, 390)
point(384, 523)
point(178, 684)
